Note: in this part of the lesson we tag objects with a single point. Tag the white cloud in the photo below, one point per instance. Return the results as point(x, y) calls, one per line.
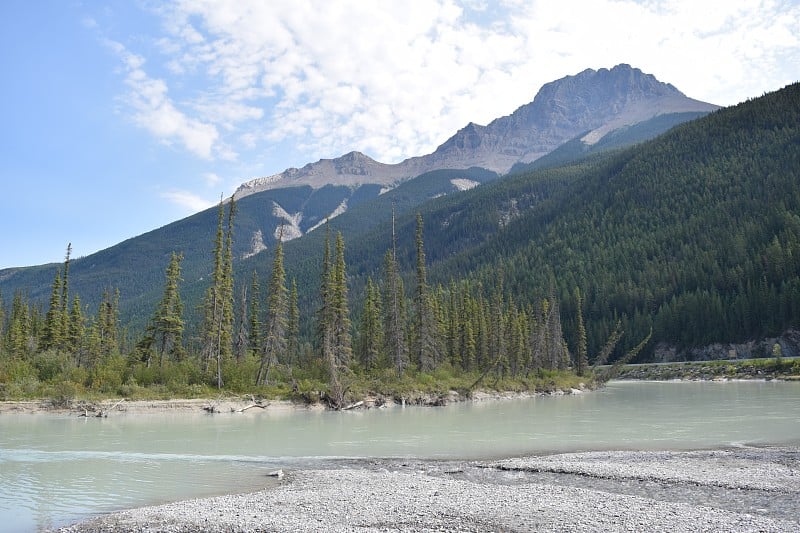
point(154, 111)
point(187, 200)
point(212, 179)
point(395, 79)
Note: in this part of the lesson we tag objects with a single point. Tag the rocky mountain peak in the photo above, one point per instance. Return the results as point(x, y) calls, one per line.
point(597, 101)
point(594, 101)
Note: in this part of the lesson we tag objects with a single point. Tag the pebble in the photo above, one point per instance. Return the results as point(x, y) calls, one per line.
point(346, 498)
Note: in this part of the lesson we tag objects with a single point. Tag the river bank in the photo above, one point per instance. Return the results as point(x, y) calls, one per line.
point(786, 369)
point(742, 489)
point(230, 404)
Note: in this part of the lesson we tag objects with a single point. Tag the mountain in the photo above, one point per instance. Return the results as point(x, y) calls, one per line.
point(592, 103)
point(360, 192)
point(593, 111)
point(695, 234)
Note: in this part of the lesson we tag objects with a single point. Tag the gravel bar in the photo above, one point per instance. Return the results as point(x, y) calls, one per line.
point(430, 496)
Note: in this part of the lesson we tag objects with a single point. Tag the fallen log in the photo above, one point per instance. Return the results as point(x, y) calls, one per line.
point(243, 409)
point(353, 406)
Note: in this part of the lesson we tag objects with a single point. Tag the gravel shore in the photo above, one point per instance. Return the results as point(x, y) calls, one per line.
point(747, 489)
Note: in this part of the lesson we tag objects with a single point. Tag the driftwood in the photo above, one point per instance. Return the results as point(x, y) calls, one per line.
point(243, 409)
point(214, 407)
point(98, 412)
point(353, 406)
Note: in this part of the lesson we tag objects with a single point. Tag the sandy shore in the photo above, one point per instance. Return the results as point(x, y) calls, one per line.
point(143, 407)
point(742, 489)
point(241, 404)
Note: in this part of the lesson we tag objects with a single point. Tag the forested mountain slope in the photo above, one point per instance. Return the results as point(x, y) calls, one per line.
point(607, 104)
point(695, 234)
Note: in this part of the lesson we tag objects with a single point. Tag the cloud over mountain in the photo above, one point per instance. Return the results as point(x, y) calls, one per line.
point(393, 79)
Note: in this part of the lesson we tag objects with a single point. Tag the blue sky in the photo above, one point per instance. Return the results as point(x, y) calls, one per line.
point(122, 116)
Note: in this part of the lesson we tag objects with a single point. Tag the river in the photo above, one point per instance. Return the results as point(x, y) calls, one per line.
point(55, 469)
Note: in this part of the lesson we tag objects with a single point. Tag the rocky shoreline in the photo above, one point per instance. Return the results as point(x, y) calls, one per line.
point(741, 489)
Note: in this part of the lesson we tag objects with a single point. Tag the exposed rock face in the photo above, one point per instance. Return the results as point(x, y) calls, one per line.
point(789, 343)
point(593, 101)
point(597, 101)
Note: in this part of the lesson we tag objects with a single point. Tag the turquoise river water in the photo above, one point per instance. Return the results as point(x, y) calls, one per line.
point(56, 469)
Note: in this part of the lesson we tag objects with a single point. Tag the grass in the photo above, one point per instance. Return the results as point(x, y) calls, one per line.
point(58, 380)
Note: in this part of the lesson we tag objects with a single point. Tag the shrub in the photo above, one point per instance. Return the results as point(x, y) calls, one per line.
point(52, 365)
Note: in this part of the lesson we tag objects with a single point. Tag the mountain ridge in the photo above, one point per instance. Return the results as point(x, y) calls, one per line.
point(296, 206)
point(597, 101)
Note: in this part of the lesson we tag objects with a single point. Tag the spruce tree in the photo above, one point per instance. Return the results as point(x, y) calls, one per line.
point(254, 316)
point(54, 324)
point(2, 325)
point(217, 330)
point(342, 339)
point(453, 335)
point(394, 315)
point(394, 309)
point(65, 298)
point(226, 337)
point(108, 322)
point(19, 327)
point(425, 346)
point(293, 333)
point(166, 326)
point(212, 305)
point(77, 327)
point(241, 344)
point(581, 357)
point(277, 310)
point(370, 343)
point(326, 329)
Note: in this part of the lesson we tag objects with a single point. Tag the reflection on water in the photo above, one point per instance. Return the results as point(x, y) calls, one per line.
point(55, 469)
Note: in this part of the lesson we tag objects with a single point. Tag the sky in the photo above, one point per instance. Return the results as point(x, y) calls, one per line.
point(121, 116)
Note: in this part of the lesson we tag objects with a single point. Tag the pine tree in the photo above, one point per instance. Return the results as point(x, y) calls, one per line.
point(53, 325)
point(212, 305)
point(453, 332)
point(242, 343)
point(425, 347)
point(293, 333)
point(371, 331)
point(342, 340)
point(166, 326)
point(254, 316)
point(2, 325)
point(18, 336)
point(324, 315)
point(394, 310)
point(77, 327)
point(226, 337)
point(108, 323)
point(217, 331)
point(57, 317)
point(581, 357)
point(326, 327)
point(497, 331)
point(277, 309)
point(65, 327)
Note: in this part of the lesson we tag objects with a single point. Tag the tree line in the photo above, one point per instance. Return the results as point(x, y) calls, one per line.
point(249, 341)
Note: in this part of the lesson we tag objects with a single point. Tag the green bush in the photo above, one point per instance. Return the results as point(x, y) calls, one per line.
point(52, 365)
point(108, 375)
